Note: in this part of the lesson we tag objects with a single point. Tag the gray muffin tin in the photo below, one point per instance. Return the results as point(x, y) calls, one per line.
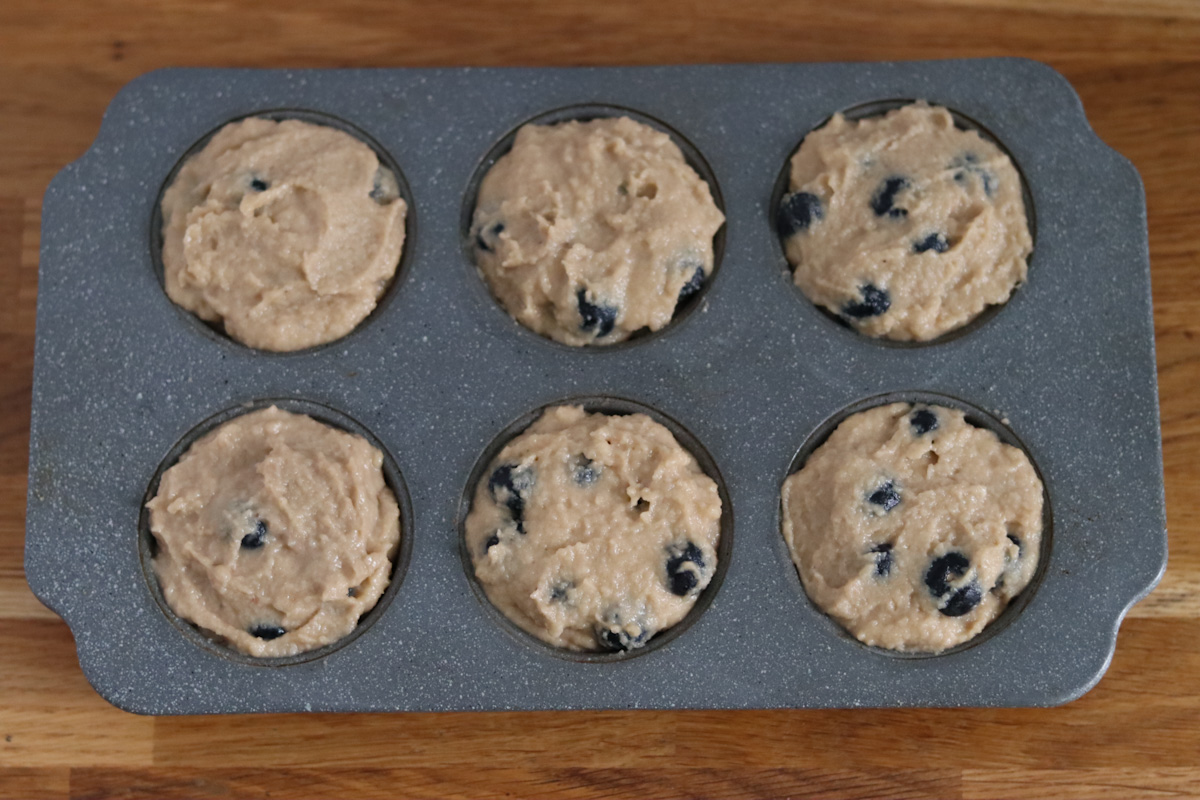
point(756, 374)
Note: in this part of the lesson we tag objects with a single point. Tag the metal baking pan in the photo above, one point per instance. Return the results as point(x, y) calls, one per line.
point(752, 374)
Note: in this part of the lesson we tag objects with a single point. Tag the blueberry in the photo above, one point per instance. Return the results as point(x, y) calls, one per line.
point(615, 637)
point(352, 591)
point(383, 188)
point(492, 233)
point(934, 241)
point(922, 421)
point(509, 486)
point(985, 177)
point(963, 600)
point(259, 185)
point(558, 592)
point(694, 284)
point(683, 582)
point(491, 542)
point(267, 632)
point(968, 164)
point(584, 471)
point(797, 211)
point(875, 301)
point(943, 570)
point(1010, 563)
point(941, 573)
point(883, 202)
point(885, 496)
point(884, 560)
point(685, 566)
point(989, 182)
point(595, 316)
point(255, 539)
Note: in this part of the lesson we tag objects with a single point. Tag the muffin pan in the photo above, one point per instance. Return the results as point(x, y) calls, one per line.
point(439, 375)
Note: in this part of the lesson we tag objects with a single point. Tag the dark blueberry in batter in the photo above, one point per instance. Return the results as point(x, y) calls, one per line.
point(267, 632)
point(989, 182)
point(934, 241)
point(797, 211)
point(584, 471)
point(875, 301)
point(255, 539)
point(378, 193)
point(558, 592)
point(693, 285)
point(618, 639)
point(491, 542)
point(259, 185)
point(884, 560)
point(885, 496)
point(596, 316)
point(923, 421)
point(481, 238)
point(969, 164)
point(509, 486)
point(352, 591)
point(944, 570)
point(1009, 562)
point(963, 600)
point(883, 202)
point(685, 565)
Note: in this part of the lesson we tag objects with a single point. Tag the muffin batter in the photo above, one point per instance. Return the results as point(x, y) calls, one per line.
point(275, 532)
point(590, 231)
point(904, 226)
point(594, 532)
point(913, 528)
point(287, 233)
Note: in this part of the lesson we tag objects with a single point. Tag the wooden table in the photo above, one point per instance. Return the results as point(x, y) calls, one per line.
point(1137, 66)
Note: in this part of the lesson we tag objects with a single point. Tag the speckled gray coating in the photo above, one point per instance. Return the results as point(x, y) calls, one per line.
point(754, 373)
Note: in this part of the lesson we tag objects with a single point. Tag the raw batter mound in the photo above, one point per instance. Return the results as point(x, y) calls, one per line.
point(275, 532)
point(286, 232)
point(903, 225)
point(913, 528)
point(590, 231)
point(594, 532)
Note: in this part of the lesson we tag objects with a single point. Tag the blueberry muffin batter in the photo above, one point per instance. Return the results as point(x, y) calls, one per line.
point(590, 231)
point(287, 233)
point(904, 226)
point(275, 532)
point(913, 528)
point(594, 532)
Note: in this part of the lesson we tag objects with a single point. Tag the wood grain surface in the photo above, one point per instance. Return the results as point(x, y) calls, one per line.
point(1137, 67)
